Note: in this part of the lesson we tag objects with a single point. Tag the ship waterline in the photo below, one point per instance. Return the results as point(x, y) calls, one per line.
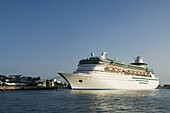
point(103, 73)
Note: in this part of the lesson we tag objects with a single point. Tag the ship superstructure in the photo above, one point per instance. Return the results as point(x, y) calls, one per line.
point(99, 72)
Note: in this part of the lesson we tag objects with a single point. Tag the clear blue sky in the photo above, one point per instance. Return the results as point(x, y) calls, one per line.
point(42, 37)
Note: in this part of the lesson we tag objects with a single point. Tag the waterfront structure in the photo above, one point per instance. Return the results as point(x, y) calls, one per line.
point(55, 83)
point(1, 83)
point(165, 86)
point(99, 72)
point(19, 80)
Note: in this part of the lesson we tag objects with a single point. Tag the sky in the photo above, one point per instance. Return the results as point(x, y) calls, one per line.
point(43, 37)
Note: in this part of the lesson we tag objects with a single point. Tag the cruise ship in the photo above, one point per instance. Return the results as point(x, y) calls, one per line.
point(100, 72)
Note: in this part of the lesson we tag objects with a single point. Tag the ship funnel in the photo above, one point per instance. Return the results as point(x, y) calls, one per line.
point(104, 54)
point(115, 59)
point(92, 54)
point(139, 61)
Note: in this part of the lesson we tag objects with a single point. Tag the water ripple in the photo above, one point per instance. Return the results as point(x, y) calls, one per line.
point(85, 101)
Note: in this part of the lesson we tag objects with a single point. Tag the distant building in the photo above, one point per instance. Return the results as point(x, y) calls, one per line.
point(166, 86)
point(1, 83)
point(21, 80)
point(41, 83)
point(2, 77)
point(55, 84)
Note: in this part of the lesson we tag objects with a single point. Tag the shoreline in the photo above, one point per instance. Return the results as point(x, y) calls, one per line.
point(12, 88)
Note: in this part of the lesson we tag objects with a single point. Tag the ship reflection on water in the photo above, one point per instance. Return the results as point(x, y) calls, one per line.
point(118, 100)
point(115, 93)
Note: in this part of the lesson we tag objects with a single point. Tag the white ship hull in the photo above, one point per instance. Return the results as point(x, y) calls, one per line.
point(105, 80)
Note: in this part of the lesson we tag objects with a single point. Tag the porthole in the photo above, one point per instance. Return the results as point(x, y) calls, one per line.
point(80, 81)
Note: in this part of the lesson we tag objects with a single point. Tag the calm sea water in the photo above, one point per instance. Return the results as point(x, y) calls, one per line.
point(85, 101)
